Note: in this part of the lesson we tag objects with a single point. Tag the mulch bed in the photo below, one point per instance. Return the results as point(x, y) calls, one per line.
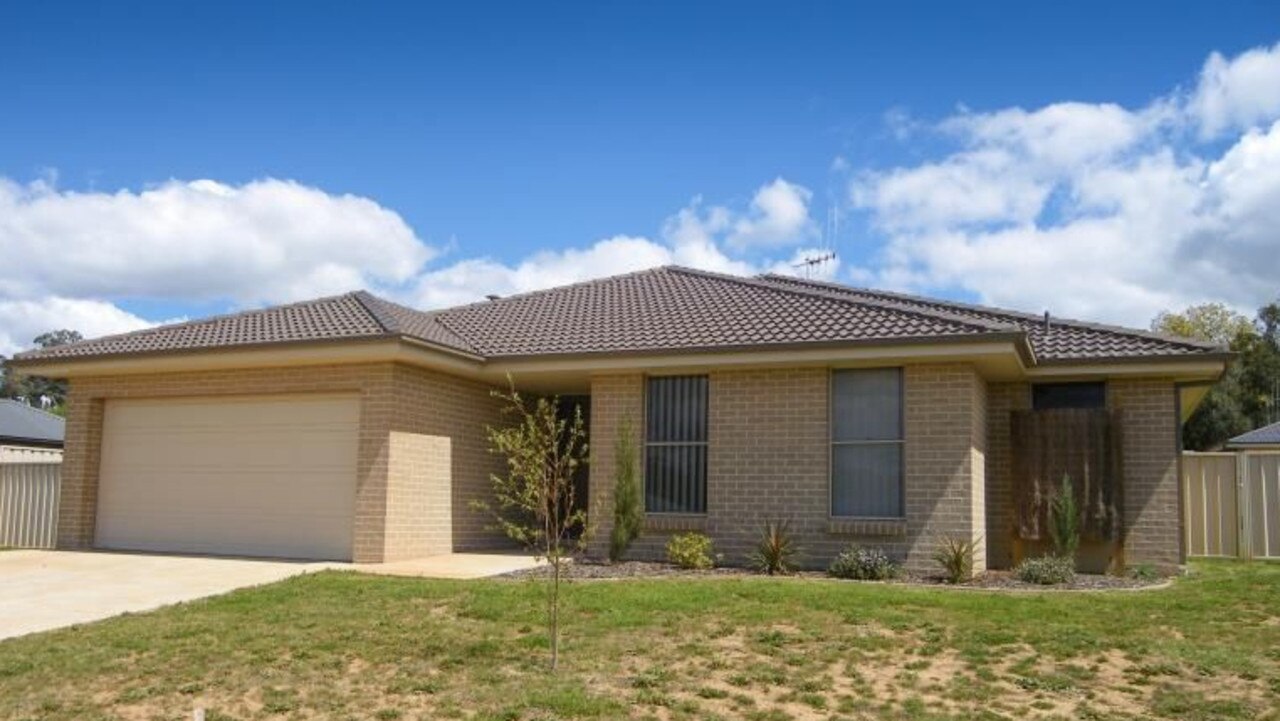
point(588, 570)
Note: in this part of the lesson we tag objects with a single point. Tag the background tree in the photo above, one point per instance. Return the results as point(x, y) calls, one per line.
point(1213, 322)
point(32, 387)
point(1260, 369)
point(1244, 398)
point(534, 500)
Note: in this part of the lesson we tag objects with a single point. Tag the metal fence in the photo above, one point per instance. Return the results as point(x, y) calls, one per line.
point(29, 504)
point(1231, 503)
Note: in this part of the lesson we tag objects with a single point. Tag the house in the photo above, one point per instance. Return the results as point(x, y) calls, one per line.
point(29, 434)
point(1266, 438)
point(353, 428)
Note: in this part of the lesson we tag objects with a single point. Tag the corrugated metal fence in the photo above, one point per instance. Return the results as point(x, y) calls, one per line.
point(1231, 503)
point(29, 504)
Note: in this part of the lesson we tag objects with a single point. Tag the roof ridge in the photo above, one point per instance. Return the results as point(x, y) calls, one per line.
point(368, 300)
point(1008, 312)
point(35, 352)
point(759, 282)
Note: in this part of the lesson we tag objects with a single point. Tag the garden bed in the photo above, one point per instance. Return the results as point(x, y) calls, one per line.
point(589, 570)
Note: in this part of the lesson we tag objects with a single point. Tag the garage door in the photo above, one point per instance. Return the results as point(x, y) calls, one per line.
point(243, 476)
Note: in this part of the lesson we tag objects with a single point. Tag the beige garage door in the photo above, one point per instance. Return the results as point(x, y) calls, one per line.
point(271, 476)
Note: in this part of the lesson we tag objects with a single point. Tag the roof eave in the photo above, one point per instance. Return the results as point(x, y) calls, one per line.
point(59, 367)
point(1017, 338)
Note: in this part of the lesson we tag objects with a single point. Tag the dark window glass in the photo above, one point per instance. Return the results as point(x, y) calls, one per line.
point(866, 443)
point(675, 469)
point(1049, 396)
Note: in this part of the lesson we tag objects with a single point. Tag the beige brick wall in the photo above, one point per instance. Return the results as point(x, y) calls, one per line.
point(392, 398)
point(613, 399)
point(769, 457)
point(445, 406)
point(419, 518)
point(1152, 516)
point(1002, 399)
point(945, 465)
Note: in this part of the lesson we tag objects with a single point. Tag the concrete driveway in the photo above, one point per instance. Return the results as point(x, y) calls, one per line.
point(41, 590)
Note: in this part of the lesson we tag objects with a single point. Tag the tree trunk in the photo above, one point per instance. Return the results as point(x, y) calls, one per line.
point(555, 613)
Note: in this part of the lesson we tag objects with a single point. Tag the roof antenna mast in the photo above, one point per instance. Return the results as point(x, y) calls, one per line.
point(813, 261)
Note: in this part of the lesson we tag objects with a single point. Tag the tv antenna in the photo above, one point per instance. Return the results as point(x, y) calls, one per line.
point(811, 262)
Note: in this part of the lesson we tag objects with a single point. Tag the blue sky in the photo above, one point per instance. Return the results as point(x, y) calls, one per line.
point(511, 139)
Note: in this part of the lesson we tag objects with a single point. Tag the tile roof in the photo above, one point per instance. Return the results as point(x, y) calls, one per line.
point(338, 317)
point(1266, 435)
point(19, 421)
point(668, 309)
point(680, 309)
point(1062, 340)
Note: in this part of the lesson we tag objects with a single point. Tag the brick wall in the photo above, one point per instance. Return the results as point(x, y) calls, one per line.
point(769, 456)
point(1152, 515)
point(1002, 399)
point(945, 459)
point(445, 406)
point(392, 398)
point(614, 398)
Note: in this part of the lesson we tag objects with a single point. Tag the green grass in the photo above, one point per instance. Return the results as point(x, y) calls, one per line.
point(344, 645)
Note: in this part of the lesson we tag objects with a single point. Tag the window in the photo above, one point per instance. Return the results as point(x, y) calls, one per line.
point(866, 443)
point(675, 469)
point(1049, 396)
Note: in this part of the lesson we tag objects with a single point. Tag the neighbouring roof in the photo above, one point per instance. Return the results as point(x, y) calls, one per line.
point(1264, 436)
point(666, 309)
point(21, 422)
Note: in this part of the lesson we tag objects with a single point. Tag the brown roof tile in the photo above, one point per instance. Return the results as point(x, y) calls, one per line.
point(667, 309)
point(1062, 340)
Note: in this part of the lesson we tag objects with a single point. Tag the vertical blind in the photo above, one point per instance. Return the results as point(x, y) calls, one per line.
point(866, 443)
point(675, 479)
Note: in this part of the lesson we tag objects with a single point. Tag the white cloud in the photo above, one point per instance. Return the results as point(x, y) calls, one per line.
point(1237, 93)
point(264, 241)
point(471, 279)
point(1061, 135)
point(272, 241)
point(23, 320)
point(697, 236)
point(1093, 210)
point(779, 217)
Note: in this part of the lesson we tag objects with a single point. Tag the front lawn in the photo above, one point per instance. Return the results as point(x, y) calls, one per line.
point(343, 645)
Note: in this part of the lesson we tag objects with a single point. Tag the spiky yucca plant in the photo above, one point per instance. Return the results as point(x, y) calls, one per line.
point(775, 553)
point(955, 556)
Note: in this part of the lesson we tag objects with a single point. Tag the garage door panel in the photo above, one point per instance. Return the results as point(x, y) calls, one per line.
point(252, 476)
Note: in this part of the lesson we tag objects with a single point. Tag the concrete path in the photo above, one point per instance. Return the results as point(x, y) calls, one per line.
point(42, 590)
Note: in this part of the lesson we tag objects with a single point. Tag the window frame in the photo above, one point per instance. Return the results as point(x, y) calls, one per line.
point(704, 444)
point(832, 444)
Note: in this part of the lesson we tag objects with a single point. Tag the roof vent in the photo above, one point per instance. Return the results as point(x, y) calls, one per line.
point(1047, 325)
point(492, 296)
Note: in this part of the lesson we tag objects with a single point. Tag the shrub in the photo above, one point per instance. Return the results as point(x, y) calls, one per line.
point(775, 553)
point(627, 513)
point(690, 550)
point(1144, 572)
point(1064, 521)
point(863, 564)
point(1046, 571)
point(955, 556)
